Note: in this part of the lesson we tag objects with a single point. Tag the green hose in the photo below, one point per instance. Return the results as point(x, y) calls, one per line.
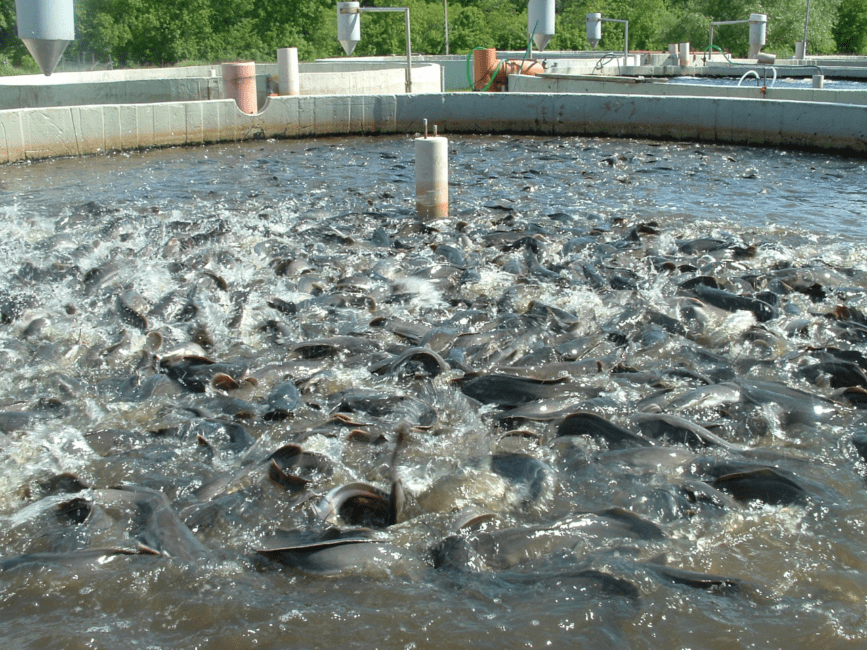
point(726, 56)
point(471, 82)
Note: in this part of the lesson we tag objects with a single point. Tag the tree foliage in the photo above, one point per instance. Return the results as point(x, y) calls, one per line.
point(850, 29)
point(162, 32)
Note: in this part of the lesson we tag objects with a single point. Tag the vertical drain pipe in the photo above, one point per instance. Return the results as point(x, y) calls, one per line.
point(431, 176)
point(287, 70)
point(239, 83)
point(683, 54)
point(484, 64)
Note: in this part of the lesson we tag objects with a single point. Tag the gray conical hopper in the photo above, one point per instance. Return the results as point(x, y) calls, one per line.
point(540, 22)
point(541, 41)
point(348, 46)
point(348, 25)
point(47, 52)
point(46, 27)
point(594, 29)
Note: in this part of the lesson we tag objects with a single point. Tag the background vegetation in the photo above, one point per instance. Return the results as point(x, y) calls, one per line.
point(167, 32)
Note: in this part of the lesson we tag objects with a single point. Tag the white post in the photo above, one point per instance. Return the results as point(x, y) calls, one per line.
point(806, 23)
point(287, 69)
point(446, 12)
point(432, 176)
point(800, 50)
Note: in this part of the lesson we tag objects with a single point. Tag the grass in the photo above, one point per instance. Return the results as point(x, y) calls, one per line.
point(28, 66)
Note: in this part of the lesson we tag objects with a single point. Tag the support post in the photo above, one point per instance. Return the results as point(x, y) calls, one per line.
point(356, 10)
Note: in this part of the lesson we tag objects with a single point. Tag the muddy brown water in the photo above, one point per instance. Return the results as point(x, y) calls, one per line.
point(111, 262)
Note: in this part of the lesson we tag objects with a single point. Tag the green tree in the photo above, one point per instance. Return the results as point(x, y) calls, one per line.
point(157, 32)
point(850, 28)
point(467, 29)
point(11, 46)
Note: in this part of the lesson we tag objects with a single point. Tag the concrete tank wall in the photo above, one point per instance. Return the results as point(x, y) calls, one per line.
point(205, 82)
point(652, 64)
point(71, 131)
point(631, 86)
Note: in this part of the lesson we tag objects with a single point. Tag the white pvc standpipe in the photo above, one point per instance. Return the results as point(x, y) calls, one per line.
point(432, 177)
point(800, 50)
point(287, 69)
point(683, 53)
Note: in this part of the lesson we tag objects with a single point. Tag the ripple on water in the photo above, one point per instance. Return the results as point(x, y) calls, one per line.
point(570, 259)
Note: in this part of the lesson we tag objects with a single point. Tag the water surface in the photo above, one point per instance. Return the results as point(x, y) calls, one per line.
point(252, 249)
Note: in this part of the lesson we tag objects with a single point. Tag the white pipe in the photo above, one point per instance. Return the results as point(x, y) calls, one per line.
point(446, 20)
point(747, 74)
point(287, 69)
point(432, 177)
